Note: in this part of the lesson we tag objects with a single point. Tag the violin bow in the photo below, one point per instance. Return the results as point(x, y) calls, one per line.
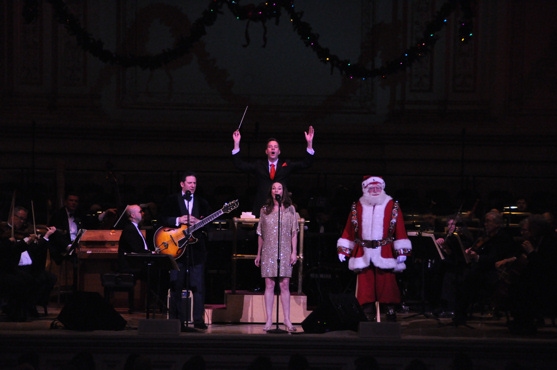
point(33, 216)
point(13, 215)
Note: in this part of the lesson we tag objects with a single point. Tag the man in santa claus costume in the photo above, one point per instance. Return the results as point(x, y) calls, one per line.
point(377, 245)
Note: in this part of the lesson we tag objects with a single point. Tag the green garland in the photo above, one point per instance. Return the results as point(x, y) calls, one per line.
point(260, 13)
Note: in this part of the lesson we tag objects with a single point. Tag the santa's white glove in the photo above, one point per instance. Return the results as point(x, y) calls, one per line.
point(341, 257)
point(400, 259)
point(400, 267)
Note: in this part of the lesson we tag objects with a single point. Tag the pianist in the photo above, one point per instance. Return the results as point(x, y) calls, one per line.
point(132, 240)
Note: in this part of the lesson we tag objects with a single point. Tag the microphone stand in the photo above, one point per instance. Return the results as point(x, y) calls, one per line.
point(186, 327)
point(278, 330)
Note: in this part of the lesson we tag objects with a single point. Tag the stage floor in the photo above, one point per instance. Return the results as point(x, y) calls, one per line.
point(232, 346)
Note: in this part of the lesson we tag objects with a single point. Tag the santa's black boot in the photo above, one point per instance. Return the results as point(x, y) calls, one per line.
point(391, 314)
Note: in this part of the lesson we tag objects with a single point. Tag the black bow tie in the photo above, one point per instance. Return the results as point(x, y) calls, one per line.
point(186, 198)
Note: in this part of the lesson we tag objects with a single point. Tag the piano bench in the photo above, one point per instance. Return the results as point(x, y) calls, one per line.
point(119, 282)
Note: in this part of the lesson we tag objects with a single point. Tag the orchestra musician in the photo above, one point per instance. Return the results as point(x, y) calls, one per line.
point(480, 280)
point(132, 240)
point(24, 278)
point(453, 246)
point(67, 221)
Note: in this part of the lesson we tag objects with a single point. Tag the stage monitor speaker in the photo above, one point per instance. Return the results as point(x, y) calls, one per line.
point(339, 312)
point(88, 311)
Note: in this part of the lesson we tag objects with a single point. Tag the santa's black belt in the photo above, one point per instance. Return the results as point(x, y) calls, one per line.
point(374, 243)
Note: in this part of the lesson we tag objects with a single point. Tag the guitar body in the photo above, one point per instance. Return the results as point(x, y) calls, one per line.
point(173, 240)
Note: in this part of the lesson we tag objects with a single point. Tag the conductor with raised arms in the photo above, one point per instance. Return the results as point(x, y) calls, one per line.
point(272, 169)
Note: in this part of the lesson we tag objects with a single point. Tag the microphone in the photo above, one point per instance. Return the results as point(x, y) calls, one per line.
point(188, 195)
point(278, 198)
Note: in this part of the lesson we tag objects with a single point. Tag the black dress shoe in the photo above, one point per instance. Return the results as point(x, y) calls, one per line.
point(200, 325)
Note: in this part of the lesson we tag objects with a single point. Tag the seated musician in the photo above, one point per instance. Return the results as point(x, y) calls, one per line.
point(68, 221)
point(25, 280)
point(132, 241)
point(479, 282)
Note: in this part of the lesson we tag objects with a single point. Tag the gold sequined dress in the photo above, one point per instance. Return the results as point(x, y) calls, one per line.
point(267, 228)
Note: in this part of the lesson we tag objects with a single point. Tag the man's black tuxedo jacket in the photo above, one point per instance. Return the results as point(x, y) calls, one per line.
point(173, 207)
point(130, 242)
point(61, 238)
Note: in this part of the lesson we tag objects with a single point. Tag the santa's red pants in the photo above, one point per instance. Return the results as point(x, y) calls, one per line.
point(377, 285)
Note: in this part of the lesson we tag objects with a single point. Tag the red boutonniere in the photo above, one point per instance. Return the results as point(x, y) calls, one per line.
point(284, 164)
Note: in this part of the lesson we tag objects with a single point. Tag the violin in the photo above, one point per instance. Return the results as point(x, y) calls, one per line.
point(28, 232)
point(478, 244)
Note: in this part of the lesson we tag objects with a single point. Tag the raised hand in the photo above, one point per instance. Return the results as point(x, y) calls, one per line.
point(309, 136)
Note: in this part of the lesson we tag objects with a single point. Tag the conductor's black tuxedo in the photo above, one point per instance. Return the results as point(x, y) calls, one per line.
point(260, 168)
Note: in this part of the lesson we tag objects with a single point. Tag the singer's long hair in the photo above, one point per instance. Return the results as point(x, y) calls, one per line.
point(269, 204)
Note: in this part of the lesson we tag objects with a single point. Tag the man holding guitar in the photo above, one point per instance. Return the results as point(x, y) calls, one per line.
point(184, 210)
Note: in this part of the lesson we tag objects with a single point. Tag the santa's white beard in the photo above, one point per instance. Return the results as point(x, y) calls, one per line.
point(373, 200)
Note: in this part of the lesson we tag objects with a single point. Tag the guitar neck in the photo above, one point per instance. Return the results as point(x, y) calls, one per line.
point(205, 221)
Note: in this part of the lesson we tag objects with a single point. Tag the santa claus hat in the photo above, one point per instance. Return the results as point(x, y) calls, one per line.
point(375, 180)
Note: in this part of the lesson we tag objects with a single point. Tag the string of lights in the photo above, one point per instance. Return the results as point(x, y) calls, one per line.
point(262, 13)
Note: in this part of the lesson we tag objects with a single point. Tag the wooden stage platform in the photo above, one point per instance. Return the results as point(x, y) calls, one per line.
point(233, 345)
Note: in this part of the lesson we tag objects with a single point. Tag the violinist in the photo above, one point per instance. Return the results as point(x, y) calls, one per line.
point(480, 280)
point(23, 260)
point(453, 245)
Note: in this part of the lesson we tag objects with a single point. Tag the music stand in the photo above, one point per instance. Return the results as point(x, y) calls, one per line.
point(75, 243)
point(160, 261)
point(425, 247)
point(71, 254)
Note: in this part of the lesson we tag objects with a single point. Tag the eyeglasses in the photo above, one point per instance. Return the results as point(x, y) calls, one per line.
point(20, 218)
